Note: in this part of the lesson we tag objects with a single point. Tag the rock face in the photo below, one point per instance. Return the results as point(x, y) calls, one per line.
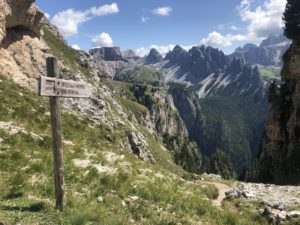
point(139, 147)
point(109, 60)
point(21, 14)
point(238, 78)
point(107, 54)
point(153, 57)
point(268, 53)
point(22, 53)
point(177, 56)
point(194, 65)
point(280, 154)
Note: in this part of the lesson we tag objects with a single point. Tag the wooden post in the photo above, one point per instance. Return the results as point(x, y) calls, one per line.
point(52, 71)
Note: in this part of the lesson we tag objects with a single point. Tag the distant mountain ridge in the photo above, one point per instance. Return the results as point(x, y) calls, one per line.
point(194, 65)
point(268, 53)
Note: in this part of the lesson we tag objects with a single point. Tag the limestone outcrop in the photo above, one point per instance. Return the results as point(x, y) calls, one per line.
point(22, 14)
point(22, 52)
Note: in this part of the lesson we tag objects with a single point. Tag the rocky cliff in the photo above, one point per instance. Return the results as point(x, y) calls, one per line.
point(22, 52)
point(107, 53)
point(280, 156)
point(109, 60)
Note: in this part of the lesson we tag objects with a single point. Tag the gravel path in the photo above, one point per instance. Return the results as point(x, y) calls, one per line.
point(222, 188)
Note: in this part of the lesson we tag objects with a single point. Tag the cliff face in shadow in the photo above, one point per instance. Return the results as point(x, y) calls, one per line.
point(280, 156)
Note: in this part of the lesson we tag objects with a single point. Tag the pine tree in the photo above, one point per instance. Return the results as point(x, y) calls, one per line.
point(291, 18)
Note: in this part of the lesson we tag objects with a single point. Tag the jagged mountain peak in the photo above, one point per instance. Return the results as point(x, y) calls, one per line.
point(178, 48)
point(153, 57)
point(178, 55)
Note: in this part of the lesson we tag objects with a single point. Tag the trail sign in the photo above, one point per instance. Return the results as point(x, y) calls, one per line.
point(53, 88)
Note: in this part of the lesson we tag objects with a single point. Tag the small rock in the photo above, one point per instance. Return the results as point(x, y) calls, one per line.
point(100, 199)
point(123, 203)
point(70, 143)
point(249, 194)
point(47, 114)
point(132, 198)
point(275, 212)
point(109, 138)
point(282, 215)
point(293, 214)
point(261, 211)
point(278, 205)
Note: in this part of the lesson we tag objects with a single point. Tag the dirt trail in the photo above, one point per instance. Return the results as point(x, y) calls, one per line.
point(222, 189)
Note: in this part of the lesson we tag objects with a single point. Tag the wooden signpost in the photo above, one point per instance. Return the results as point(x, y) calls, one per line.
point(53, 87)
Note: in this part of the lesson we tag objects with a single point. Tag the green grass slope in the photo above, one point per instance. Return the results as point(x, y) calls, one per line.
point(104, 183)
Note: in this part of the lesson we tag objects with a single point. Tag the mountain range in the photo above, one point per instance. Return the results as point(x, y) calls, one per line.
point(268, 53)
point(221, 100)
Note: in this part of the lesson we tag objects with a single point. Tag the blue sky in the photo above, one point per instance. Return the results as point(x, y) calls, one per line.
point(142, 24)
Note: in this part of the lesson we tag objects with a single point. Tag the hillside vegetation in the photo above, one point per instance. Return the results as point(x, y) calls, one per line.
point(104, 184)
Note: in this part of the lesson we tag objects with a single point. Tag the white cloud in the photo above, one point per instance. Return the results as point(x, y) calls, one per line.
point(75, 46)
point(162, 49)
point(233, 27)
point(144, 19)
point(69, 20)
point(162, 11)
point(229, 26)
point(216, 39)
point(264, 19)
point(102, 40)
point(105, 10)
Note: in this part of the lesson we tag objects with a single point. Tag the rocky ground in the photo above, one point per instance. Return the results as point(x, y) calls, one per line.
point(281, 201)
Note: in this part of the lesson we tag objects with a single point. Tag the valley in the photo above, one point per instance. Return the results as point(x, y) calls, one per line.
point(189, 137)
